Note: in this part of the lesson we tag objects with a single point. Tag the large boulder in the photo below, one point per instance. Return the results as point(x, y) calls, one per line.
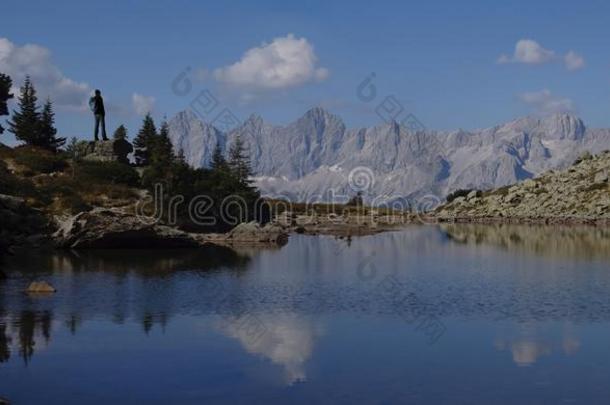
point(249, 233)
point(109, 151)
point(114, 228)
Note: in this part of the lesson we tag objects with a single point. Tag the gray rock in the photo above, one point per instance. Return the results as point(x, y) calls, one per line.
point(473, 194)
point(109, 151)
point(114, 228)
point(601, 176)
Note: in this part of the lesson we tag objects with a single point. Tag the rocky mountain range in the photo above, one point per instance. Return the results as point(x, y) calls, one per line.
point(317, 157)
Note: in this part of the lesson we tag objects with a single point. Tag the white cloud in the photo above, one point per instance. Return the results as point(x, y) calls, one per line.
point(544, 102)
point(528, 51)
point(142, 104)
point(285, 62)
point(574, 61)
point(49, 81)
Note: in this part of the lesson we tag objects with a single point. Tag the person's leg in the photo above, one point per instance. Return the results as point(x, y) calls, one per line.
point(104, 137)
point(97, 126)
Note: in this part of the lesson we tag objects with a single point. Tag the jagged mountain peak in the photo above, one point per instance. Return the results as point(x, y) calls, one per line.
point(317, 151)
point(552, 126)
point(319, 114)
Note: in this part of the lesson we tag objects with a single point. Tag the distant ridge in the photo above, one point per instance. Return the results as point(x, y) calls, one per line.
point(316, 153)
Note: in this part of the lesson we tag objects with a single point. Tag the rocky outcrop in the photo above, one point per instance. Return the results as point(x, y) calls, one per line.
point(114, 228)
point(109, 151)
point(250, 233)
point(580, 193)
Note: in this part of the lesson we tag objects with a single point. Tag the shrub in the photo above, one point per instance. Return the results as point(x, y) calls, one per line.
point(458, 193)
point(39, 160)
point(108, 173)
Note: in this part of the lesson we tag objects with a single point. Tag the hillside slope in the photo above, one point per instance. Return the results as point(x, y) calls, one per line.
point(580, 193)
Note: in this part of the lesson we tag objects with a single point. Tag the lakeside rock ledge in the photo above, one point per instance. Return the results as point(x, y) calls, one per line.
point(111, 228)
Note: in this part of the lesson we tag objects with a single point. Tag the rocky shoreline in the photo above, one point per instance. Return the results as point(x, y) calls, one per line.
point(579, 195)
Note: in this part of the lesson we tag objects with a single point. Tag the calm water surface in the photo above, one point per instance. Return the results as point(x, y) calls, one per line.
point(456, 314)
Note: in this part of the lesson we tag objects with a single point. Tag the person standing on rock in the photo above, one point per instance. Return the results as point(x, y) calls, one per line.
point(96, 103)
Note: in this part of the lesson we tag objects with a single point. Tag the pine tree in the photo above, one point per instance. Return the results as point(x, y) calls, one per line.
point(5, 95)
point(218, 160)
point(47, 131)
point(120, 133)
point(26, 122)
point(144, 141)
point(162, 150)
point(239, 161)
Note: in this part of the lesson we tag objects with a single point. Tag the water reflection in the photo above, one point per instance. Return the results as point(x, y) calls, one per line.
point(519, 296)
point(527, 343)
point(551, 241)
point(27, 330)
point(287, 340)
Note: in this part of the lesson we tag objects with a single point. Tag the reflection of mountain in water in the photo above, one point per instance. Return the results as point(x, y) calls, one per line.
point(570, 242)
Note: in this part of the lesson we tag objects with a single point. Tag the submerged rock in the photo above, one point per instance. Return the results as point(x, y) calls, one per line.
point(40, 287)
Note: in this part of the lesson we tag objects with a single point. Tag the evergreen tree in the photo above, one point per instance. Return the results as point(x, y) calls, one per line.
point(144, 141)
point(218, 160)
point(239, 161)
point(180, 158)
point(162, 150)
point(5, 95)
point(120, 133)
point(26, 122)
point(47, 131)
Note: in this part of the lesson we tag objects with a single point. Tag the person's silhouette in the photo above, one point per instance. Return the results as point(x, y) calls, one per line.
point(96, 103)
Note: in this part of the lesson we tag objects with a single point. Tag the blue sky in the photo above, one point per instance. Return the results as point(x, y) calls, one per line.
point(438, 58)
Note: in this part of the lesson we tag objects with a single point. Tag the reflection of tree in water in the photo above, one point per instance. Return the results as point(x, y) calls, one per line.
point(22, 329)
point(145, 277)
point(5, 342)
